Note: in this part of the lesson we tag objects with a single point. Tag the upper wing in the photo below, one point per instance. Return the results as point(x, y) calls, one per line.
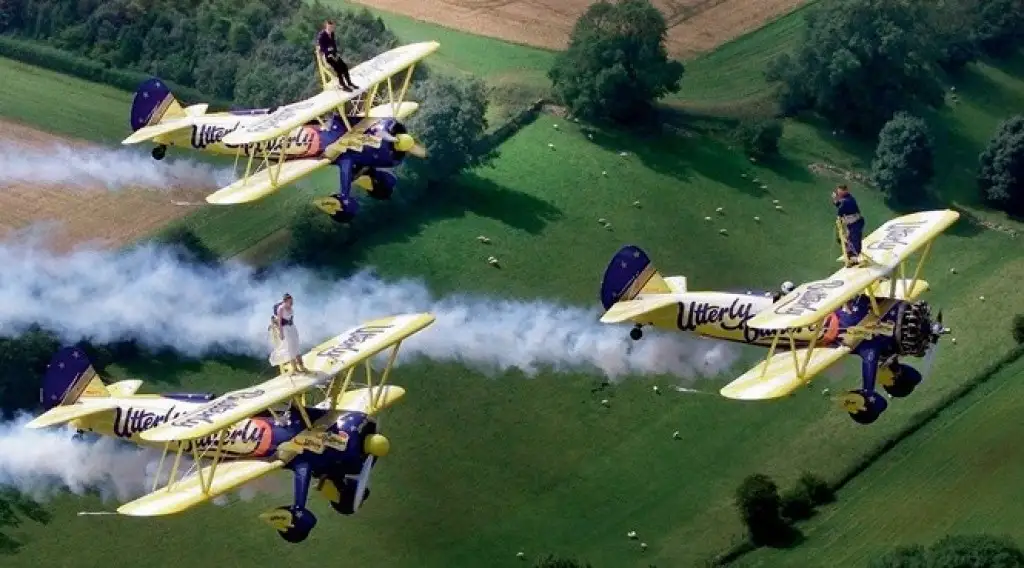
point(360, 343)
point(812, 301)
point(782, 375)
point(233, 407)
point(188, 491)
point(901, 237)
point(365, 75)
point(265, 181)
point(287, 117)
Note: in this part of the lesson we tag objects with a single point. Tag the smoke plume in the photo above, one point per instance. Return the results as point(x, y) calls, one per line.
point(149, 294)
point(43, 463)
point(114, 169)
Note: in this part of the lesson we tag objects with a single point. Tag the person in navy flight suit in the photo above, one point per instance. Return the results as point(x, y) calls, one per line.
point(852, 222)
point(329, 48)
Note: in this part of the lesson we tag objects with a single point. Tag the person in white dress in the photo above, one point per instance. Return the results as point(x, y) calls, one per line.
point(285, 337)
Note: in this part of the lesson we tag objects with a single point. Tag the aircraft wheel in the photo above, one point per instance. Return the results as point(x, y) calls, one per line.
point(303, 521)
point(904, 382)
point(636, 333)
point(864, 407)
point(348, 494)
point(159, 152)
point(381, 192)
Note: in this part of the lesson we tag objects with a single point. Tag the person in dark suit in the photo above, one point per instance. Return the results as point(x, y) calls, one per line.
point(852, 222)
point(328, 47)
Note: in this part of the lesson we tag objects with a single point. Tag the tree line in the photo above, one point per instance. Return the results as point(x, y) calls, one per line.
point(869, 68)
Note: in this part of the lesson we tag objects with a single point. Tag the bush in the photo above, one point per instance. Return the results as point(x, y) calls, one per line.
point(960, 551)
point(817, 489)
point(1001, 171)
point(796, 505)
point(1018, 328)
point(758, 502)
point(760, 139)
point(859, 62)
point(616, 65)
point(903, 163)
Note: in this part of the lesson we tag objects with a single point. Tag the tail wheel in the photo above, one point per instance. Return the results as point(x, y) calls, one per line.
point(159, 152)
point(636, 333)
point(303, 521)
point(864, 407)
point(904, 381)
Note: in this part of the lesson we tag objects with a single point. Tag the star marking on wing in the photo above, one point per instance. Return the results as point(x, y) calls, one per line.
point(60, 365)
point(636, 254)
point(623, 263)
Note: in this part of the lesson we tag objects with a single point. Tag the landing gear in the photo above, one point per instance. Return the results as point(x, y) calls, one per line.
point(335, 209)
point(636, 333)
point(293, 524)
point(899, 380)
point(864, 407)
point(347, 496)
point(159, 152)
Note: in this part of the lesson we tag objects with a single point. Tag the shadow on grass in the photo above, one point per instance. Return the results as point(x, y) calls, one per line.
point(340, 250)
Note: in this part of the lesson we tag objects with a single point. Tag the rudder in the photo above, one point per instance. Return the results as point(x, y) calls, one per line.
point(153, 103)
point(70, 376)
point(629, 273)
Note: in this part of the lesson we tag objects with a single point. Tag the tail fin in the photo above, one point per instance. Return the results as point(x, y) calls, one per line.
point(628, 274)
point(70, 376)
point(153, 103)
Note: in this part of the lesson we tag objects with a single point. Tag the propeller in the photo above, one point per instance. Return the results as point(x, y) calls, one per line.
point(406, 143)
point(363, 481)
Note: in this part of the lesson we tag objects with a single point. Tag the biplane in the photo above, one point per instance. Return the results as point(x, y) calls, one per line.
point(361, 132)
point(244, 434)
point(870, 311)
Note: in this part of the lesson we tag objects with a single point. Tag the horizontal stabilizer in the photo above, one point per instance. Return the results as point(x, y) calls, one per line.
point(67, 413)
point(188, 492)
point(631, 310)
point(150, 132)
point(262, 183)
point(124, 388)
point(781, 377)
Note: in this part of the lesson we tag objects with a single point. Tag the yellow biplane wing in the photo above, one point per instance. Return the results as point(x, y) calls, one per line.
point(265, 181)
point(201, 485)
point(630, 309)
point(783, 373)
point(887, 248)
point(367, 75)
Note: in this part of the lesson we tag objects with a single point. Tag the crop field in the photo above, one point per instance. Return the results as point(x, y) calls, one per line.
point(485, 465)
point(694, 26)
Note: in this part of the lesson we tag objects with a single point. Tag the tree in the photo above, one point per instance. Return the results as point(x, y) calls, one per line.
point(451, 123)
point(1000, 25)
point(859, 62)
point(616, 65)
point(955, 25)
point(23, 361)
point(1018, 328)
point(13, 506)
point(758, 501)
point(903, 163)
point(958, 551)
point(1001, 173)
point(187, 245)
point(817, 489)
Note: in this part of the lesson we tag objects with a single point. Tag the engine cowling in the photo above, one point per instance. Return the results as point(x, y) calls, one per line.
point(915, 330)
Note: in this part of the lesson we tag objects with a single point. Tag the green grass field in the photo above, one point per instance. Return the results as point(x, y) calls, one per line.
point(483, 467)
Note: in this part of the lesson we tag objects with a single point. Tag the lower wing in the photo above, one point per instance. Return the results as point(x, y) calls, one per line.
point(189, 491)
point(779, 375)
point(264, 182)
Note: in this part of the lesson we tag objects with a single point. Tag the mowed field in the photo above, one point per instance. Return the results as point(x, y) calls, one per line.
point(694, 26)
point(485, 466)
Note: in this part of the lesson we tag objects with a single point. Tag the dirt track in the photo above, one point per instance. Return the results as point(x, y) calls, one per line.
point(79, 214)
point(694, 25)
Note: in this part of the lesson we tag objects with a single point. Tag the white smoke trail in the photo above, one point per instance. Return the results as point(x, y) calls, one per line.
point(148, 294)
point(114, 169)
point(43, 463)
